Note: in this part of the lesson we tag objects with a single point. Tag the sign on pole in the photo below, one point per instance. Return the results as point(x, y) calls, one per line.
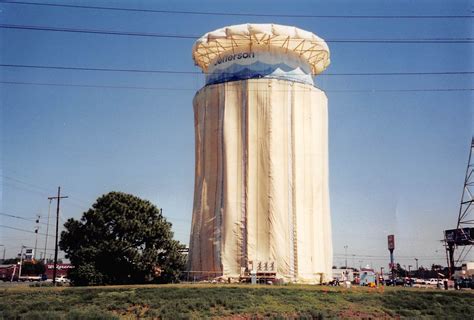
point(391, 242)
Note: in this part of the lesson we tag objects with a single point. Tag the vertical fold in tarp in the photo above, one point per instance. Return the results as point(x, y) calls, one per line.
point(244, 177)
point(302, 198)
point(326, 234)
point(232, 180)
point(278, 182)
point(194, 245)
point(261, 188)
point(258, 173)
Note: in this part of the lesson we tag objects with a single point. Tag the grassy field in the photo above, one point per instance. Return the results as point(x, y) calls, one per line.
point(233, 302)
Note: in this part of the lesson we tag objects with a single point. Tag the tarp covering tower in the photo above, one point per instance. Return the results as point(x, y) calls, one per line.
point(261, 200)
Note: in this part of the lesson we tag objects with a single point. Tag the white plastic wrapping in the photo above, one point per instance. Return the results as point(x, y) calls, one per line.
point(262, 37)
point(261, 185)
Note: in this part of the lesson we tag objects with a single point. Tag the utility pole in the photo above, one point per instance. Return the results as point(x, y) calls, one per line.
point(21, 261)
point(417, 270)
point(47, 231)
point(347, 273)
point(4, 249)
point(345, 249)
point(58, 197)
point(36, 236)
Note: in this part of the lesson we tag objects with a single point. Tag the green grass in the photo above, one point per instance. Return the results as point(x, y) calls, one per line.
point(232, 302)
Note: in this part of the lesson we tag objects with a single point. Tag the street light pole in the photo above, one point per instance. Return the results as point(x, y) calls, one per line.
point(345, 248)
point(47, 231)
point(21, 261)
point(4, 249)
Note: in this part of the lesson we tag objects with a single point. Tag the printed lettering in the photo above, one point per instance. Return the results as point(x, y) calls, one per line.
point(238, 56)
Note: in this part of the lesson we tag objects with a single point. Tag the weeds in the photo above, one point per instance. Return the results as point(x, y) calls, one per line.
point(209, 301)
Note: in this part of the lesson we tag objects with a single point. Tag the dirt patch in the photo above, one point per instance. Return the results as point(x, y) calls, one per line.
point(356, 314)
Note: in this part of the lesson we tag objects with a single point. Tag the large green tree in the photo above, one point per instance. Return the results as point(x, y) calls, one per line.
point(121, 239)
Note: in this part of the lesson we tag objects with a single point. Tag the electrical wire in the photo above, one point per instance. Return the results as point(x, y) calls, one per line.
point(191, 89)
point(31, 188)
point(24, 188)
point(22, 218)
point(194, 37)
point(25, 183)
point(239, 14)
point(24, 230)
point(198, 72)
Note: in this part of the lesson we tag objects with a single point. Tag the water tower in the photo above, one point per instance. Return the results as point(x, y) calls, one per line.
point(261, 200)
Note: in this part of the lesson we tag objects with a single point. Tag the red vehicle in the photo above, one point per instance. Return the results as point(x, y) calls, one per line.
point(62, 270)
point(9, 272)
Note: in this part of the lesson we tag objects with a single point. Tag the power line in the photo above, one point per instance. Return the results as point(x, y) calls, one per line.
point(98, 69)
point(194, 37)
point(92, 31)
point(191, 89)
point(31, 190)
point(24, 188)
point(94, 86)
point(32, 186)
point(23, 230)
point(240, 14)
point(198, 72)
point(25, 183)
point(22, 218)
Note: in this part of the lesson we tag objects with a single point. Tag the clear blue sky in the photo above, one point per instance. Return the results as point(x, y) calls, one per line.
point(397, 159)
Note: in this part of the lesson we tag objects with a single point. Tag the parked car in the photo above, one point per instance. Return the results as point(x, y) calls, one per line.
point(388, 282)
point(433, 281)
point(465, 283)
point(394, 282)
point(409, 282)
point(60, 279)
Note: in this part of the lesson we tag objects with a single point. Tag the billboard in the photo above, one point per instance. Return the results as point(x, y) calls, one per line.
point(460, 237)
point(391, 242)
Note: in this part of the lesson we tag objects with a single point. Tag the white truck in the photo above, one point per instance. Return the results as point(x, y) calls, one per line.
point(29, 278)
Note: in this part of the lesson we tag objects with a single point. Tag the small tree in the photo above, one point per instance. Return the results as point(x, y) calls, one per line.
point(401, 272)
point(11, 261)
point(121, 239)
point(33, 268)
